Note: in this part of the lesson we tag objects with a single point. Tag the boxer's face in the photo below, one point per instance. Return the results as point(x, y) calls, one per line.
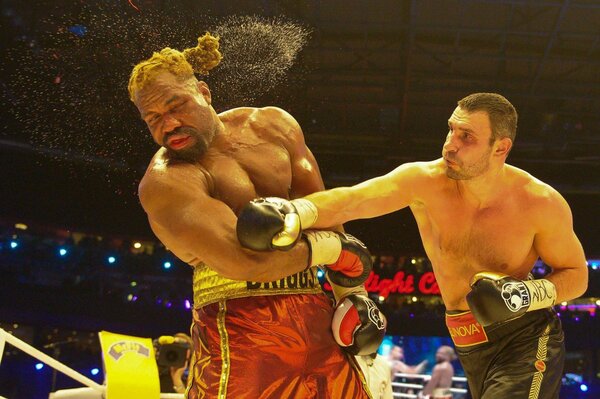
point(467, 150)
point(441, 356)
point(178, 115)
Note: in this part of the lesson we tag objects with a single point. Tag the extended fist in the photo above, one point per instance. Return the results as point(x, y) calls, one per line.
point(267, 224)
point(358, 326)
point(274, 223)
point(496, 297)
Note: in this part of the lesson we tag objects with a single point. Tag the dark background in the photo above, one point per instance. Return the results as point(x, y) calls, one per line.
point(373, 88)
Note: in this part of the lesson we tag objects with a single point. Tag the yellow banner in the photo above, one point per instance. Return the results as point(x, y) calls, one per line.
point(129, 367)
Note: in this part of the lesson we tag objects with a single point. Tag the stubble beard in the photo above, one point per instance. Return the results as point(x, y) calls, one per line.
point(193, 152)
point(478, 168)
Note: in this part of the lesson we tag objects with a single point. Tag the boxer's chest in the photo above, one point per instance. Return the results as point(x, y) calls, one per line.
point(258, 171)
point(498, 237)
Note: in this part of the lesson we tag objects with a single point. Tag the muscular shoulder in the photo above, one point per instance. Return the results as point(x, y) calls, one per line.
point(530, 187)
point(273, 115)
point(419, 170)
point(164, 181)
point(420, 177)
point(270, 123)
point(237, 115)
point(275, 123)
point(442, 367)
point(539, 197)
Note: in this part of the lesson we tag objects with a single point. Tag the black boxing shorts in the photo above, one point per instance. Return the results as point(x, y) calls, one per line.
point(518, 359)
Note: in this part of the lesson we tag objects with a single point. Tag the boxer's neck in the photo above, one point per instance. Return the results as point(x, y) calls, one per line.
point(485, 189)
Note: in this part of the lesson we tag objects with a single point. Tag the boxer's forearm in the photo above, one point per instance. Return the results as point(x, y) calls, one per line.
point(369, 199)
point(269, 266)
point(570, 283)
point(343, 204)
point(335, 206)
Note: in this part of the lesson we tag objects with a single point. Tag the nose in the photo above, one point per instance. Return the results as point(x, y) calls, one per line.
point(450, 143)
point(170, 123)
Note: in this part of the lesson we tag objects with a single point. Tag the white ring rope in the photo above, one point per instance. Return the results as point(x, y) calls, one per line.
point(424, 377)
point(30, 350)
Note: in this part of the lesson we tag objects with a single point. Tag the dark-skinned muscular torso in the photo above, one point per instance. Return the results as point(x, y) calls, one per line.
point(256, 155)
point(248, 160)
point(192, 208)
point(250, 163)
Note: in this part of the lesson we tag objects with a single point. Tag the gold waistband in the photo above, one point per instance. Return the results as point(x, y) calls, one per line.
point(209, 287)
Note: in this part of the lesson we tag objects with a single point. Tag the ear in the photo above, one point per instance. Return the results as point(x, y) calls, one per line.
point(204, 90)
point(503, 147)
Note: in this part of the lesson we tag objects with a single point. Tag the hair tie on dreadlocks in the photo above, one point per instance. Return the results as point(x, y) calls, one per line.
point(200, 59)
point(205, 56)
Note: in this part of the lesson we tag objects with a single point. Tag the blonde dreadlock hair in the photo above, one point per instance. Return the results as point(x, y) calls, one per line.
point(200, 59)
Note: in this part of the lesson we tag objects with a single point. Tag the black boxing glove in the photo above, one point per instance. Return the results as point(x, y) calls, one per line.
point(496, 297)
point(358, 326)
point(274, 223)
point(347, 260)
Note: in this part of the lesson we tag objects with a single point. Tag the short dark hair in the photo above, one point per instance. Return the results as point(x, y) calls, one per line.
point(503, 116)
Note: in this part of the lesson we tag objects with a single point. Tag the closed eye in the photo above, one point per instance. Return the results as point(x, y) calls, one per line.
point(152, 119)
point(178, 106)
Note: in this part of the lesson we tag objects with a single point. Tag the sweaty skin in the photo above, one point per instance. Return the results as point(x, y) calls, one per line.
point(474, 213)
point(209, 166)
point(244, 153)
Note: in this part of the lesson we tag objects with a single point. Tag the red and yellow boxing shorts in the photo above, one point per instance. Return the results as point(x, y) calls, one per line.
point(274, 342)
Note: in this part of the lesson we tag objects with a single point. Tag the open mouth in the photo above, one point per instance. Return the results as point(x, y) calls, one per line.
point(179, 143)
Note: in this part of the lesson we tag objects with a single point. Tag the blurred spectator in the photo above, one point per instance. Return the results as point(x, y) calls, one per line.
point(438, 386)
point(396, 361)
point(173, 359)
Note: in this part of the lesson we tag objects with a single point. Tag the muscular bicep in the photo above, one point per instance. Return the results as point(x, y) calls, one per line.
point(194, 225)
point(555, 240)
point(558, 246)
point(202, 227)
point(189, 221)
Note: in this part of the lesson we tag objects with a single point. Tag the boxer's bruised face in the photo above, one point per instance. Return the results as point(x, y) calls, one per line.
point(179, 115)
point(468, 147)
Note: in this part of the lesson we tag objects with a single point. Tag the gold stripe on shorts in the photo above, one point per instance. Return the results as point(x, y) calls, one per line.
point(540, 365)
point(224, 350)
point(210, 287)
point(191, 367)
point(361, 374)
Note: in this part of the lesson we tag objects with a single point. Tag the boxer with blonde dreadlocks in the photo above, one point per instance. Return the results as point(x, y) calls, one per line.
point(261, 323)
point(200, 59)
